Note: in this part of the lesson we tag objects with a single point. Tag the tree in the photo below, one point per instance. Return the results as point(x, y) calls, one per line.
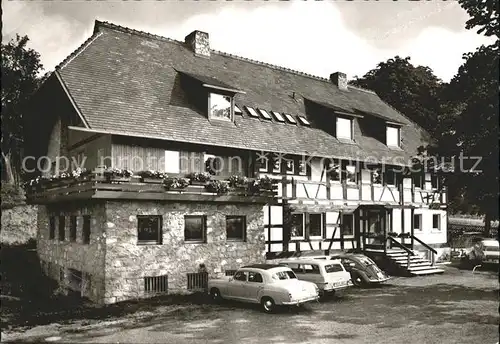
point(413, 91)
point(484, 14)
point(20, 67)
point(473, 94)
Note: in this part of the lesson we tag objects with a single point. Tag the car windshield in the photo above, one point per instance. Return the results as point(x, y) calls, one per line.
point(333, 268)
point(284, 275)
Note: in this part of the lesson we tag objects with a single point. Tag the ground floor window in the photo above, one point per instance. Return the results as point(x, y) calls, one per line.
point(197, 280)
point(297, 226)
point(149, 228)
point(316, 225)
point(236, 228)
point(72, 228)
point(417, 222)
point(62, 228)
point(195, 228)
point(86, 229)
point(347, 225)
point(436, 222)
point(52, 227)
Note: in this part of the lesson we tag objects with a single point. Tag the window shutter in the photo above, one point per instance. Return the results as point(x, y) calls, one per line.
point(184, 158)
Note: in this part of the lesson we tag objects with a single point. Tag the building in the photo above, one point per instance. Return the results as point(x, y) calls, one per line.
point(339, 156)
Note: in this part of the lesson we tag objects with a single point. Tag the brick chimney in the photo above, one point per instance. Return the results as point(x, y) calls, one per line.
point(339, 79)
point(199, 43)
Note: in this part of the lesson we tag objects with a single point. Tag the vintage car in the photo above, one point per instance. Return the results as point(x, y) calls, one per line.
point(329, 275)
point(268, 284)
point(363, 270)
point(484, 251)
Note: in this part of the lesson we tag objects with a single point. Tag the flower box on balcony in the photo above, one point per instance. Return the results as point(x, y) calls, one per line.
point(198, 183)
point(117, 179)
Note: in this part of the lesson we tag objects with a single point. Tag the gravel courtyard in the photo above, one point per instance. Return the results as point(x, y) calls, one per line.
point(456, 307)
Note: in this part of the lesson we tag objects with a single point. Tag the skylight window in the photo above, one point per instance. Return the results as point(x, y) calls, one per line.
point(303, 120)
point(237, 110)
point(290, 119)
point(220, 106)
point(252, 112)
point(278, 116)
point(264, 114)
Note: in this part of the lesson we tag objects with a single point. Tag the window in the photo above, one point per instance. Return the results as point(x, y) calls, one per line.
point(220, 107)
point(304, 121)
point(172, 161)
point(277, 165)
point(311, 269)
point(297, 228)
point(254, 277)
point(62, 228)
point(278, 116)
point(52, 227)
point(284, 275)
point(348, 225)
point(236, 228)
point(376, 176)
point(316, 225)
point(302, 167)
point(157, 284)
point(390, 177)
point(240, 276)
point(417, 180)
point(350, 174)
point(290, 166)
point(251, 112)
point(333, 268)
point(100, 157)
point(237, 110)
point(290, 119)
point(213, 164)
point(434, 181)
point(197, 281)
point(194, 228)
point(149, 229)
point(263, 163)
point(264, 114)
point(86, 229)
point(392, 136)
point(344, 128)
point(333, 170)
point(72, 228)
point(417, 222)
point(436, 222)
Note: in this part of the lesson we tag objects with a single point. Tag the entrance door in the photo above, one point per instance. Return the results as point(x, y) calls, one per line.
point(374, 223)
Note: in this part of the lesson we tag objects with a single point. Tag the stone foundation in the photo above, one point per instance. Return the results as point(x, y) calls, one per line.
point(57, 257)
point(114, 266)
point(127, 263)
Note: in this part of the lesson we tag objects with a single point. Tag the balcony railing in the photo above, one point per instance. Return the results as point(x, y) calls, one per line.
point(97, 186)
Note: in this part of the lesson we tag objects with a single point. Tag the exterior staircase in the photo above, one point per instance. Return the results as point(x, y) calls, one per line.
point(418, 266)
point(395, 262)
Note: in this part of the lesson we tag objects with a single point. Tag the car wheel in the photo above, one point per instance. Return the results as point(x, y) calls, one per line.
point(267, 304)
point(215, 294)
point(357, 281)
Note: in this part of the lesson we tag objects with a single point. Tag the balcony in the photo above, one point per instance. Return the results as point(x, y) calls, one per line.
point(98, 185)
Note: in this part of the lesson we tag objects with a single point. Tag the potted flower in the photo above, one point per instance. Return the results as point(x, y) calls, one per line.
point(217, 186)
point(175, 183)
point(113, 174)
point(237, 181)
point(261, 185)
point(151, 176)
point(199, 178)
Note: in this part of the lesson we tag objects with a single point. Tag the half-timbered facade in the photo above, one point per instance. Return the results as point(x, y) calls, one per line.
point(340, 159)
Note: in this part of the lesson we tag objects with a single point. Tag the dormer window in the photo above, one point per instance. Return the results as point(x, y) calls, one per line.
point(393, 136)
point(221, 107)
point(344, 128)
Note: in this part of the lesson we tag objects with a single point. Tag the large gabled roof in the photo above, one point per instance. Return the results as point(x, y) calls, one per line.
point(126, 81)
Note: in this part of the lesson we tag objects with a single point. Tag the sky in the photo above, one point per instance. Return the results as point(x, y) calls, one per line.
point(318, 37)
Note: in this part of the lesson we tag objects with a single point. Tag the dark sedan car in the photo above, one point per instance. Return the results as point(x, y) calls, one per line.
point(363, 270)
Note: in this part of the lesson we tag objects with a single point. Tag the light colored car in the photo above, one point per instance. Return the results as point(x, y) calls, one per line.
point(268, 284)
point(485, 251)
point(329, 275)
